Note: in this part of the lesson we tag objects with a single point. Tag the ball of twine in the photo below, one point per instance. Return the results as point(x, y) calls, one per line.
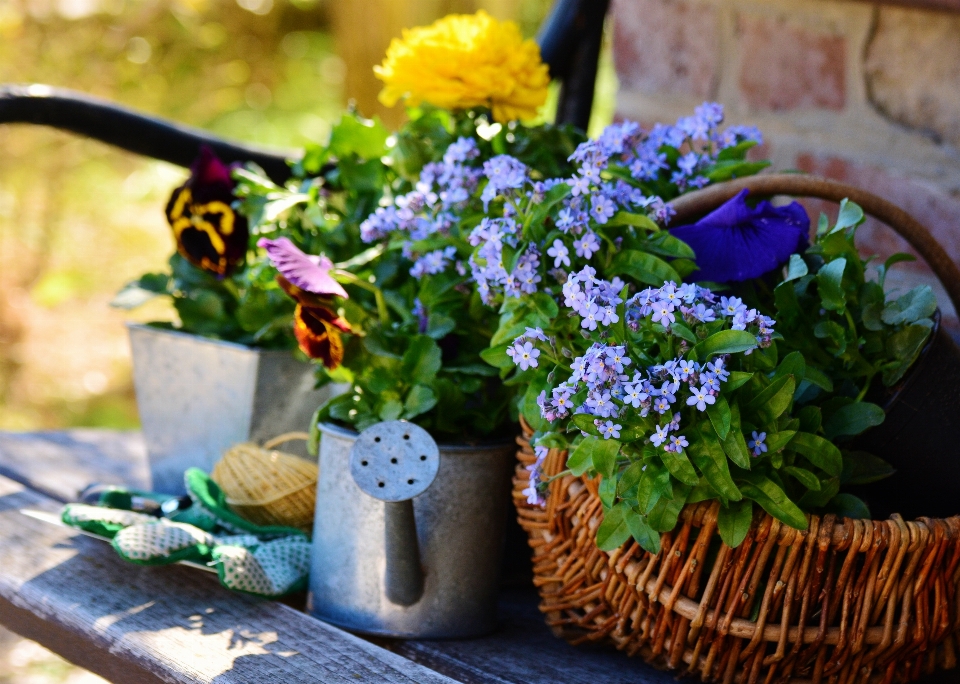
point(269, 487)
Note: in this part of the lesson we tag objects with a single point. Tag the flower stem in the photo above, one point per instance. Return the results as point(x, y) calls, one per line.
point(350, 279)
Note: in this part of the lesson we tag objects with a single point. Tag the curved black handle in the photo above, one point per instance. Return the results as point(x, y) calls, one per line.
point(116, 125)
point(570, 41)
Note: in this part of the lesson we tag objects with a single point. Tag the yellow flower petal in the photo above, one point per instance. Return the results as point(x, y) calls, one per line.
point(464, 61)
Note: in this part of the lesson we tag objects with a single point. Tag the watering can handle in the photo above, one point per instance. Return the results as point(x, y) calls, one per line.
point(695, 204)
point(115, 125)
point(403, 583)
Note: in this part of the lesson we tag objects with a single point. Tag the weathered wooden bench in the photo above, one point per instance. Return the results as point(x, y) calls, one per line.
point(140, 625)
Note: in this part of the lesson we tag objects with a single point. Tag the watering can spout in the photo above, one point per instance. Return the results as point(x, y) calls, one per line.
point(395, 461)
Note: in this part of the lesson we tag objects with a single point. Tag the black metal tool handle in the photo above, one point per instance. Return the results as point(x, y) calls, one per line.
point(124, 128)
point(403, 583)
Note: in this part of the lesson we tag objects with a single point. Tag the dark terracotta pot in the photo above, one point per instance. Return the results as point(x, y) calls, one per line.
point(920, 438)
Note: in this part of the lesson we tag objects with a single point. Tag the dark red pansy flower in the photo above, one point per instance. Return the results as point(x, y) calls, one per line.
point(316, 325)
point(209, 233)
point(317, 330)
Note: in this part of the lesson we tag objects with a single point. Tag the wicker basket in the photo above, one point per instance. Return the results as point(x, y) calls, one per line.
point(269, 487)
point(847, 601)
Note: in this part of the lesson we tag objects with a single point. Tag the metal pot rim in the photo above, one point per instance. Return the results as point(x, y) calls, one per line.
point(349, 433)
point(146, 327)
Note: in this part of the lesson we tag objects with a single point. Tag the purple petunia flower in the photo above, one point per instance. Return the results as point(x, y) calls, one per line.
point(308, 272)
point(738, 242)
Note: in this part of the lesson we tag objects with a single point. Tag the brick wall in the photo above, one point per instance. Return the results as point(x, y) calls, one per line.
point(862, 93)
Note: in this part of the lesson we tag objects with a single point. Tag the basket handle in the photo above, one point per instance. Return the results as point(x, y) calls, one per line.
point(699, 202)
point(285, 437)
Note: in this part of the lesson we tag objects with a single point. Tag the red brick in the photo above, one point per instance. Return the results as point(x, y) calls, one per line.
point(933, 207)
point(666, 46)
point(784, 66)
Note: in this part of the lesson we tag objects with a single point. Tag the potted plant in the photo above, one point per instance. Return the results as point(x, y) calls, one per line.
point(682, 490)
point(401, 325)
point(226, 372)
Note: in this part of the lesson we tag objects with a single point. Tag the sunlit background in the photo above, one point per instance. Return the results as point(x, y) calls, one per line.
point(79, 219)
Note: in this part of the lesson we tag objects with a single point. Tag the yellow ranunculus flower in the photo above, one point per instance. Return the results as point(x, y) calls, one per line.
point(464, 61)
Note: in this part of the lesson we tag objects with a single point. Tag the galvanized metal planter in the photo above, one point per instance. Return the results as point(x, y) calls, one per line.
point(197, 397)
point(460, 521)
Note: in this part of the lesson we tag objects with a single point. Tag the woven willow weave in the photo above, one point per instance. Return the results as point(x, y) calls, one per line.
point(847, 601)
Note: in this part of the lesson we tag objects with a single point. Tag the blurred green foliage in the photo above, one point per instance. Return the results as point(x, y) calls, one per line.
point(79, 219)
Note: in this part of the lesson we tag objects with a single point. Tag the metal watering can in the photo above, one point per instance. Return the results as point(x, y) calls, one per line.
point(408, 535)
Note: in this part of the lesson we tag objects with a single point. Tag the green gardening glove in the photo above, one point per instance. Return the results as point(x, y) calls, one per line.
point(263, 560)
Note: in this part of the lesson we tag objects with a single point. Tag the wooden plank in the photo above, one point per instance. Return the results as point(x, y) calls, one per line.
point(524, 651)
point(60, 464)
point(170, 624)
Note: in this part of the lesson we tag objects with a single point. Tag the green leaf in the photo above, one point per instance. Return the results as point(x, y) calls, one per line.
point(818, 378)
point(904, 345)
point(679, 466)
point(774, 400)
point(584, 422)
point(830, 283)
point(723, 171)
point(623, 218)
point(594, 452)
point(141, 291)
point(497, 356)
point(833, 331)
point(421, 361)
point(439, 325)
point(849, 506)
point(791, 364)
point(654, 485)
point(355, 135)
point(733, 522)
point(663, 516)
point(391, 410)
point(823, 224)
point(530, 407)
point(850, 215)
point(796, 268)
point(683, 332)
point(708, 455)
point(778, 440)
point(814, 499)
point(818, 451)
point(643, 267)
point(773, 500)
point(918, 303)
point(853, 419)
point(665, 244)
point(607, 491)
point(860, 468)
point(736, 379)
point(719, 414)
point(647, 537)
point(804, 477)
point(613, 531)
point(420, 399)
point(724, 342)
point(630, 477)
point(735, 447)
